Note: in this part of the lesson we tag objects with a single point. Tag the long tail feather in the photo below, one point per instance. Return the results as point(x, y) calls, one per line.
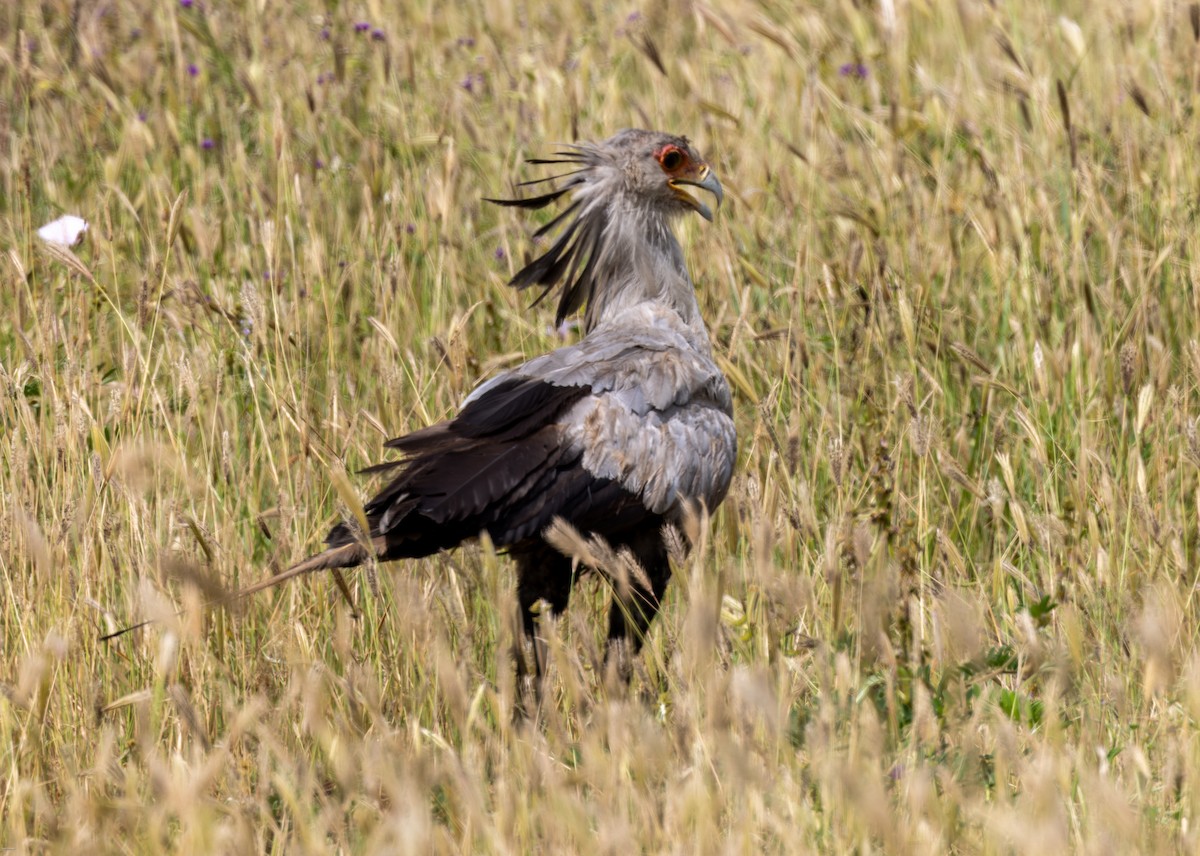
point(345, 556)
point(116, 634)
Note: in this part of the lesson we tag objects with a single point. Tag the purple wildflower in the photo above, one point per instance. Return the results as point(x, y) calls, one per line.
point(207, 144)
point(141, 115)
point(325, 34)
point(378, 34)
point(319, 164)
point(465, 42)
point(631, 21)
point(361, 27)
point(500, 254)
point(186, 4)
point(854, 69)
point(193, 70)
point(410, 229)
point(471, 81)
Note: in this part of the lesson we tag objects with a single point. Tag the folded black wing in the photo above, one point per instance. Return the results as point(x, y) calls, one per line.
point(504, 466)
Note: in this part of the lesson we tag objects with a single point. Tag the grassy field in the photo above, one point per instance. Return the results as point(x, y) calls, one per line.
point(951, 602)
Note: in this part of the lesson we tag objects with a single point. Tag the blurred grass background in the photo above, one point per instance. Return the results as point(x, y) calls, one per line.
point(950, 604)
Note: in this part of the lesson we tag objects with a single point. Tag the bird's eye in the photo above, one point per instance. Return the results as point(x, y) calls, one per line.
point(671, 159)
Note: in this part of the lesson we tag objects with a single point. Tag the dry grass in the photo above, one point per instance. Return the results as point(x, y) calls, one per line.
point(950, 604)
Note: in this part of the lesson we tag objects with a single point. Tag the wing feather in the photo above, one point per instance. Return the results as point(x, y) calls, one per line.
point(626, 426)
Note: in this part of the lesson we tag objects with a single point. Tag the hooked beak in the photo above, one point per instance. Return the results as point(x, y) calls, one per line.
point(706, 179)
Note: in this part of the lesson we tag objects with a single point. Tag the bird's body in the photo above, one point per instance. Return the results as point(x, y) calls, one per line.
point(620, 434)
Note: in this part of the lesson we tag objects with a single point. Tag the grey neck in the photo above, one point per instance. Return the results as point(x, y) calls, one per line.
point(642, 262)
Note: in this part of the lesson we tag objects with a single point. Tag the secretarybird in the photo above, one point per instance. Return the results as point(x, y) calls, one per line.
point(620, 435)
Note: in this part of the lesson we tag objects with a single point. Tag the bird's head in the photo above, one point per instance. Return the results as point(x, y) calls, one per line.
point(617, 188)
point(657, 169)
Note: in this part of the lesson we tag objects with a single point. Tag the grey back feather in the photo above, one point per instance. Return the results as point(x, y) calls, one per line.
point(658, 420)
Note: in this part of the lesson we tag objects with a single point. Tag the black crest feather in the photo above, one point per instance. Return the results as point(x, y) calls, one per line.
point(572, 258)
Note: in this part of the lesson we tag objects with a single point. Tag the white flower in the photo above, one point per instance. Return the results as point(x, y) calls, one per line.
point(65, 231)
